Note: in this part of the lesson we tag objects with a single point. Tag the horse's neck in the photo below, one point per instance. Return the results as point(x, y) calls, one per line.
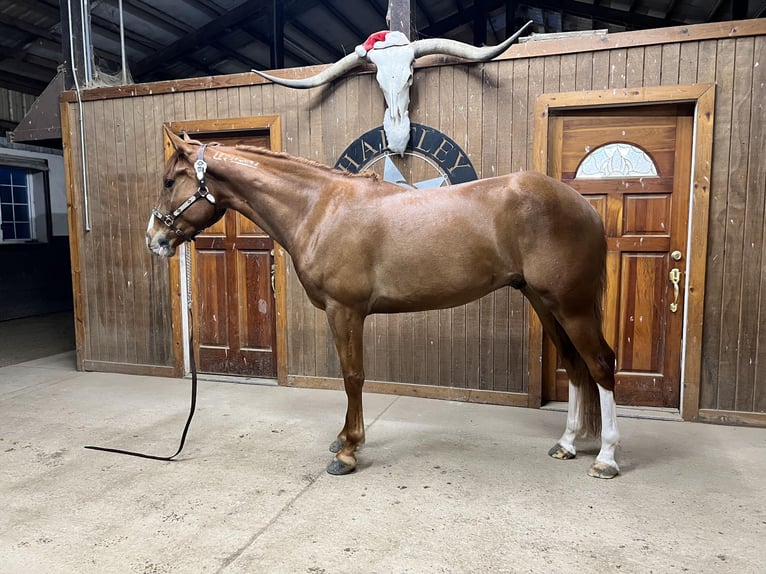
point(278, 193)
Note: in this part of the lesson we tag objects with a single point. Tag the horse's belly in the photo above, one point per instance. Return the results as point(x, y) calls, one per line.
point(433, 286)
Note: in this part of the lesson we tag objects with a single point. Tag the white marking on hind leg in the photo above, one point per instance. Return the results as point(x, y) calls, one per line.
point(574, 419)
point(610, 437)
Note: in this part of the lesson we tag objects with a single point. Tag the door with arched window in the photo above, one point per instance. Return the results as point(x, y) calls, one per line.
point(633, 165)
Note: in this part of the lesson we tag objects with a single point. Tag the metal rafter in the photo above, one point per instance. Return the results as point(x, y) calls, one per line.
point(20, 83)
point(343, 19)
point(376, 6)
point(249, 10)
point(317, 39)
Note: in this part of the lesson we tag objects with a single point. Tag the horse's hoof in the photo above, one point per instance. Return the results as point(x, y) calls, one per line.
point(561, 453)
point(338, 467)
point(603, 470)
point(336, 445)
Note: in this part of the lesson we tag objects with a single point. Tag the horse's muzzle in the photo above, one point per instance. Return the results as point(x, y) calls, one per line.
point(158, 241)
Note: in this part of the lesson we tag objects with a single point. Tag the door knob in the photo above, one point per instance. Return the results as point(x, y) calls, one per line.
point(676, 255)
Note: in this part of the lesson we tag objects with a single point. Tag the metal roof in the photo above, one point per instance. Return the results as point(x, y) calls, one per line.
point(172, 39)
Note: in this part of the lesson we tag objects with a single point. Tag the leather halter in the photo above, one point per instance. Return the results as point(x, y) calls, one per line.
point(169, 219)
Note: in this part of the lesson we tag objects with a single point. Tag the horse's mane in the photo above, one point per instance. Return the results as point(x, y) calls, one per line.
point(283, 155)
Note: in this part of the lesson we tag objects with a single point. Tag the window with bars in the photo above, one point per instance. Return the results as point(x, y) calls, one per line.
point(15, 205)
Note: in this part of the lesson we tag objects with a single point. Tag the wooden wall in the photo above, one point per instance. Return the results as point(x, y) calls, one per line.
point(13, 107)
point(124, 295)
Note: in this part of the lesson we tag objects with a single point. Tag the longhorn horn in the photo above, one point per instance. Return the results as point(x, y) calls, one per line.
point(461, 50)
point(327, 75)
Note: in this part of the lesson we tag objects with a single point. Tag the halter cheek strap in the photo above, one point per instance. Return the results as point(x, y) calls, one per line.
point(169, 219)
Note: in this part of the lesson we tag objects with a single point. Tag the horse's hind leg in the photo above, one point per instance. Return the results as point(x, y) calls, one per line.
point(565, 448)
point(606, 465)
point(585, 334)
point(347, 328)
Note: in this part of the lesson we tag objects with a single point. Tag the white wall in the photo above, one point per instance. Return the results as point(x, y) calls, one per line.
point(56, 181)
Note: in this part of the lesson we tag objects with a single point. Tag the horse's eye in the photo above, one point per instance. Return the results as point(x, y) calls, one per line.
point(168, 183)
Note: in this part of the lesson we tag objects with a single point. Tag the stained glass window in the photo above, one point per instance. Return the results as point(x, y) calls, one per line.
point(617, 160)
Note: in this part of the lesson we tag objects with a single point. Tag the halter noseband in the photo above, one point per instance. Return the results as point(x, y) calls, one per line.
point(169, 219)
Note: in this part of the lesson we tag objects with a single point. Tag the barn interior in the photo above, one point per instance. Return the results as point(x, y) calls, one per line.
point(250, 492)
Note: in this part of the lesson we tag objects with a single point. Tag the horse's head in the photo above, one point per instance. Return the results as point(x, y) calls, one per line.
point(185, 206)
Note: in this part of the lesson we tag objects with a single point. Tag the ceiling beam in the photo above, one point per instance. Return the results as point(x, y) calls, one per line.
point(380, 10)
point(343, 19)
point(277, 52)
point(401, 17)
point(480, 13)
point(249, 10)
point(608, 15)
point(21, 83)
point(581, 9)
point(316, 39)
point(169, 23)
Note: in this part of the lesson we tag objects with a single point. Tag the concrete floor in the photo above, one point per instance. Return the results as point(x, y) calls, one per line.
point(31, 338)
point(443, 487)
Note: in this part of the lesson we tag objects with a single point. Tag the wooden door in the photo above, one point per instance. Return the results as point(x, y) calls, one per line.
point(232, 277)
point(633, 165)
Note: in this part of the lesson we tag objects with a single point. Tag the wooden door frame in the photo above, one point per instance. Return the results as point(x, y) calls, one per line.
point(273, 125)
point(703, 98)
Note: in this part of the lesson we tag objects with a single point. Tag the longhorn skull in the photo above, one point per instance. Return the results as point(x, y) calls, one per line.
point(394, 55)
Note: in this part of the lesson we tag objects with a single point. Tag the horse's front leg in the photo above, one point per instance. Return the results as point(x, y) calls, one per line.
point(347, 326)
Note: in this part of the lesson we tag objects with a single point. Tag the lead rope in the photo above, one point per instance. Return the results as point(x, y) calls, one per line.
point(192, 364)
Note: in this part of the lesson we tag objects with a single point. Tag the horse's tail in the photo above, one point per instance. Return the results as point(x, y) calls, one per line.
point(587, 390)
point(589, 393)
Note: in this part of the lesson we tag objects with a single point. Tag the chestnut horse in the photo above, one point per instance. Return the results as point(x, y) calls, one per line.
point(362, 246)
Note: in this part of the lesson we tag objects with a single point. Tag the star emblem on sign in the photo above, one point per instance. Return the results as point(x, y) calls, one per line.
point(392, 174)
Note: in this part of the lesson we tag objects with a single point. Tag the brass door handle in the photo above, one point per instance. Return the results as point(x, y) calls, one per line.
point(675, 279)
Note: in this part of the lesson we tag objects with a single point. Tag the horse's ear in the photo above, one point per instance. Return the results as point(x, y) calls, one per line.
point(178, 144)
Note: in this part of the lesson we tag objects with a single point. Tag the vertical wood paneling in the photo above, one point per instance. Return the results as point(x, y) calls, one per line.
point(757, 181)
point(734, 236)
point(124, 231)
point(601, 71)
point(450, 348)
point(459, 321)
point(717, 231)
point(752, 253)
point(141, 185)
point(584, 73)
point(617, 68)
point(671, 60)
point(652, 66)
point(687, 73)
point(487, 110)
point(634, 75)
point(161, 310)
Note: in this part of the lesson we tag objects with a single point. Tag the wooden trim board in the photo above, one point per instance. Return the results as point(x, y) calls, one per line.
point(410, 390)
